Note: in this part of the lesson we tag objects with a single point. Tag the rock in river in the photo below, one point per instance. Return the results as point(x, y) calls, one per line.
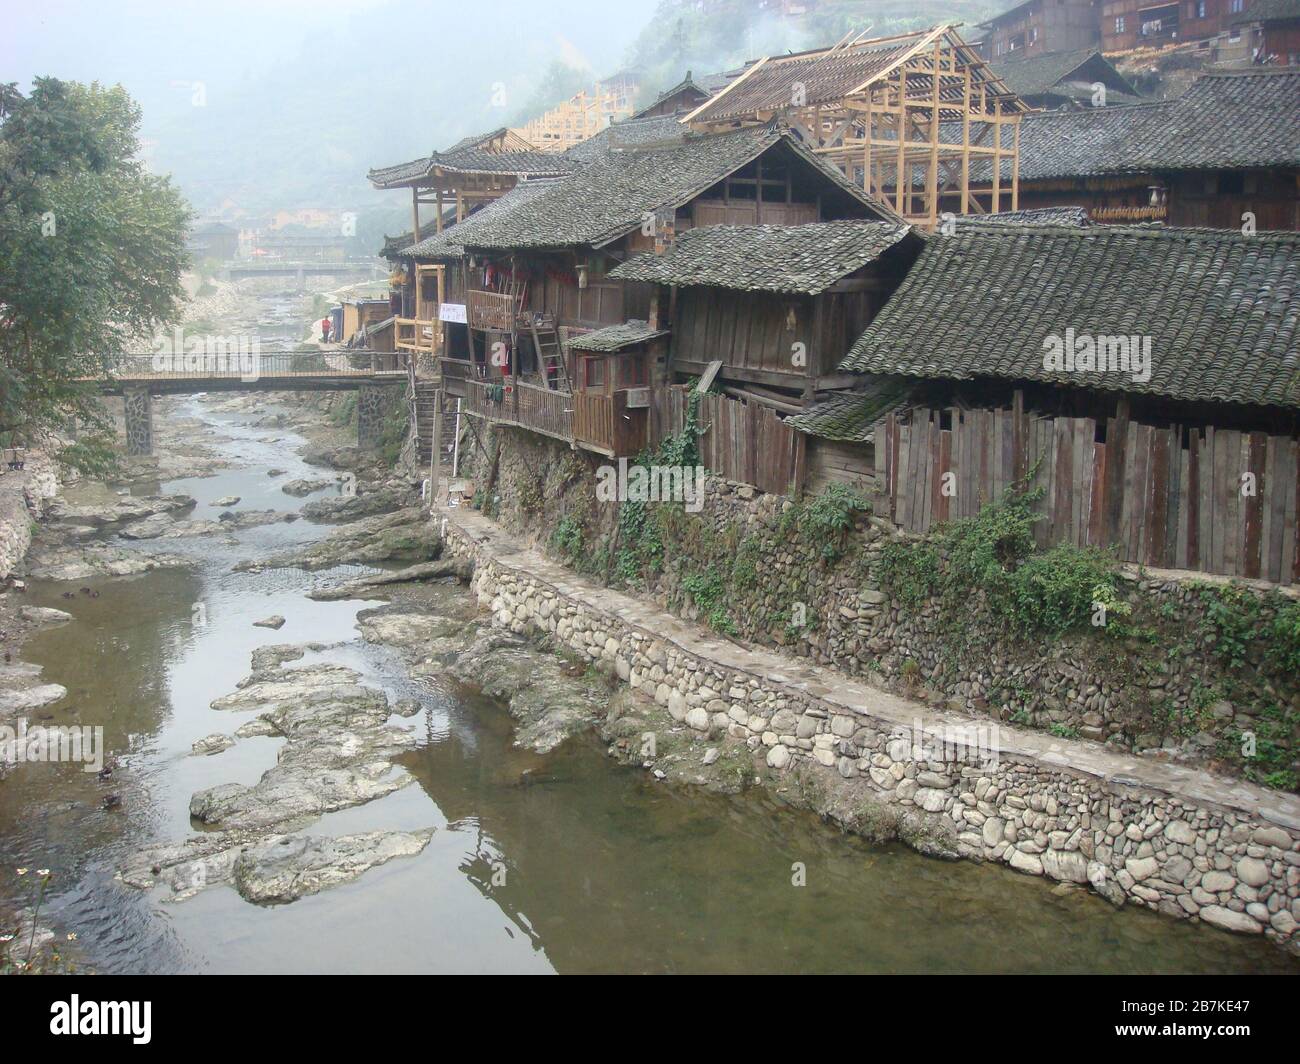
point(338, 752)
point(43, 615)
point(271, 870)
point(212, 744)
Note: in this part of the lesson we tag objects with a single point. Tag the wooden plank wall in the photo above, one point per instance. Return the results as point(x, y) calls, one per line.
point(745, 330)
point(1162, 501)
point(740, 441)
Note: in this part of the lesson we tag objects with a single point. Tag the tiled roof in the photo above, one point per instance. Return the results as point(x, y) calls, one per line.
point(1223, 121)
point(467, 157)
point(850, 416)
point(449, 244)
point(1221, 309)
point(772, 258)
point(616, 337)
point(1038, 75)
point(614, 194)
point(1002, 16)
point(1089, 142)
point(1269, 11)
point(630, 133)
point(706, 85)
point(1068, 217)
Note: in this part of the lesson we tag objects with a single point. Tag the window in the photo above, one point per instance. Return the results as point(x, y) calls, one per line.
point(1237, 6)
point(1119, 24)
point(1200, 8)
point(631, 371)
point(594, 372)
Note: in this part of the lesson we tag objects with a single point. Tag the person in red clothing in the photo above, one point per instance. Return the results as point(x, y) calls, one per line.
point(325, 330)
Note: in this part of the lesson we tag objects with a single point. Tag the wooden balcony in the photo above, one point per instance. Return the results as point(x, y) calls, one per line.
point(420, 335)
point(495, 311)
point(524, 405)
point(600, 423)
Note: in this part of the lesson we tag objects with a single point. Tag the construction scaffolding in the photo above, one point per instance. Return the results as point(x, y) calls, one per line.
point(918, 120)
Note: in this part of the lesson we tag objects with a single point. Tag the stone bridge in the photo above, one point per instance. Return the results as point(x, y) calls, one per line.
point(373, 375)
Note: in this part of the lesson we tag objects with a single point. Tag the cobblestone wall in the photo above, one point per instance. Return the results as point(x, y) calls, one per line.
point(1225, 864)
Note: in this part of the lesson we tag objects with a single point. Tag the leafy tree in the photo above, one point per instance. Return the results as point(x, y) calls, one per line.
point(91, 251)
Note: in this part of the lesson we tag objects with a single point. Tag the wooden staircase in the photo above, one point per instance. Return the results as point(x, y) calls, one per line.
point(425, 404)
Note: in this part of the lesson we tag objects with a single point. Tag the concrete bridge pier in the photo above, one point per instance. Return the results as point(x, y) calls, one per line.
point(374, 403)
point(137, 407)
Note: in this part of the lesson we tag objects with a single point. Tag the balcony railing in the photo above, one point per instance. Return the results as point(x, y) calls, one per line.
point(497, 311)
point(525, 405)
point(420, 335)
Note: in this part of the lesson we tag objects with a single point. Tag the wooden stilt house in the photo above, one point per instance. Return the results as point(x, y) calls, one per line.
point(1145, 378)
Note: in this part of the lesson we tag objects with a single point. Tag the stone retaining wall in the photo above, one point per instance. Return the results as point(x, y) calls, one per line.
point(23, 495)
point(1173, 690)
point(1233, 862)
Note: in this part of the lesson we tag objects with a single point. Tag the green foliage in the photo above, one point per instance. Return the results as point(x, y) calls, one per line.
point(827, 519)
point(92, 246)
point(640, 524)
point(908, 572)
point(567, 538)
point(393, 432)
point(1059, 590)
point(709, 590)
point(345, 413)
point(993, 554)
point(1283, 640)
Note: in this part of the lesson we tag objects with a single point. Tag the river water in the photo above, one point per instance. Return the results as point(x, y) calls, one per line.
point(607, 870)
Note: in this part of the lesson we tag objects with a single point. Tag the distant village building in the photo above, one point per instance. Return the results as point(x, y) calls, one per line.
point(1127, 24)
point(1272, 30)
point(1050, 80)
point(307, 217)
point(686, 95)
point(1039, 26)
point(300, 246)
point(1225, 154)
point(213, 240)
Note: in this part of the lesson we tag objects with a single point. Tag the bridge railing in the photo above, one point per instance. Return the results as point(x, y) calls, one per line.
point(246, 365)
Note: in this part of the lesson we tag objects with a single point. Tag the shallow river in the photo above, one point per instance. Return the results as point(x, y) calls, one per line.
point(605, 869)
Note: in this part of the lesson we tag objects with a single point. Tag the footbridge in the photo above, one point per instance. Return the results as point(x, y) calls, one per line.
point(376, 376)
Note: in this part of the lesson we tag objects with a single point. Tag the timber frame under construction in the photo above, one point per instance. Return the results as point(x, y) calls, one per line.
point(919, 120)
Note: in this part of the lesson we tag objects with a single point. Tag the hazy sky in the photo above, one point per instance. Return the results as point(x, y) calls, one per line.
point(149, 44)
point(296, 86)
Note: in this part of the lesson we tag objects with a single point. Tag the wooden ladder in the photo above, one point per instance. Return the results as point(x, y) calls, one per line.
point(426, 398)
point(550, 353)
